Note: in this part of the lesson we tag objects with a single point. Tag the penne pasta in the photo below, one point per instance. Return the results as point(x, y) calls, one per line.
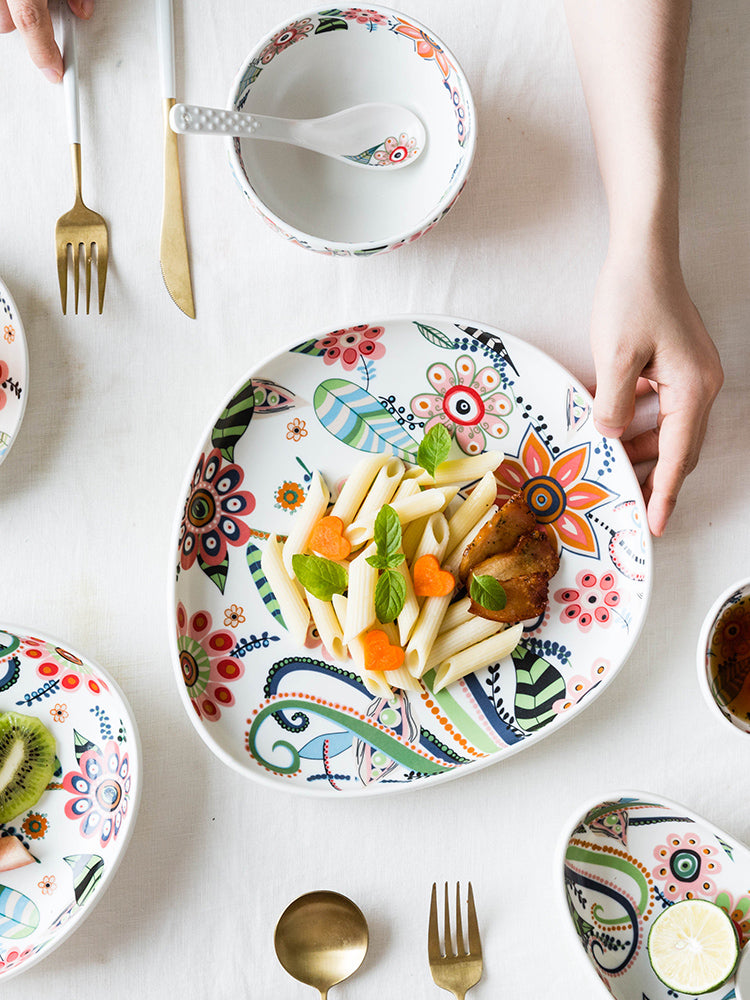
point(410, 508)
point(465, 470)
point(434, 538)
point(461, 637)
point(305, 520)
point(356, 487)
point(424, 634)
point(453, 559)
point(410, 611)
point(457, 614)
point(360, 609)
point(479, 501)
point(287, 591)
point(406, 488)
point(383, 487)
point(479, 655)
point(328, 626)
point(411, 536)
point(373, 680)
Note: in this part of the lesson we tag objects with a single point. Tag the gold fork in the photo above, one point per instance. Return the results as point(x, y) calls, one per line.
point(454, 969)
point(80, 227)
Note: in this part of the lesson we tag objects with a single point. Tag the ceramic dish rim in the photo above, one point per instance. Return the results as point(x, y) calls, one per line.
point(260, 775)
point(68, 929)
point(5, 292)
point(700, 654)
point(319, 242)
point(564, 838)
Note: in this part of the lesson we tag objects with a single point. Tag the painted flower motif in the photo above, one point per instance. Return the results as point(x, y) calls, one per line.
point(283, 39)
point(48, 884)
point(213, 513)
point(206, 664)
point(396, 150)
point(424, 46)
point(59, 713)
point(289, 496)
point(592, 600)
point(364, 16)
point(349, 347)
point(732, 634)
point(4, 373)
point(35, 826)
point(233, 615)
point(580, 685)
point(53, 663)
point(13, 958)
point(100, 791)
point(556, 490)
point(296, 430)
point(9, 334)
point(739, 913)
point(686, 866)
point(466, 402)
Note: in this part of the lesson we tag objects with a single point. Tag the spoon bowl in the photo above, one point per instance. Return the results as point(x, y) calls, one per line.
point(321, 939)
point(377, 135)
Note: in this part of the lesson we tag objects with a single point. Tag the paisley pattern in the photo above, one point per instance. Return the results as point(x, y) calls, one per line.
point(294, 715)
point(624, 863)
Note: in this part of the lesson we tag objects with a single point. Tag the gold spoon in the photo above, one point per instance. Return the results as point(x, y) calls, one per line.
point(321, 939)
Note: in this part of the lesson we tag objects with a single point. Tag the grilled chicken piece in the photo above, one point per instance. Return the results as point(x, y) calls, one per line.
point(532, 553)
point(499, 534)
point(526, 598)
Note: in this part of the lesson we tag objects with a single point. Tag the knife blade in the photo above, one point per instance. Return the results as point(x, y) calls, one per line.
point(173, 250)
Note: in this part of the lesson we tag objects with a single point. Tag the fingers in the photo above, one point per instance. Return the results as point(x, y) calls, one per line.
point(33, 21)
point(6, 21)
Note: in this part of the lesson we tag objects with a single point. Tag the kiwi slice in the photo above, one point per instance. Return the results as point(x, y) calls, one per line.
point(27, 763)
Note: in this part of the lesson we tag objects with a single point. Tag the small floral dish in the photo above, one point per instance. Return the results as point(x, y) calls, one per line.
point(622, 862)
point(79, 829)
point(724, 657)
point(14, 371)
point(295, 717)
point(325, 60)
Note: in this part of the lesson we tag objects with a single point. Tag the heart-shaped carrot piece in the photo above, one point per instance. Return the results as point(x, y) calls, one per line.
point(430, 580)
point(327, 538)
point(379, 653)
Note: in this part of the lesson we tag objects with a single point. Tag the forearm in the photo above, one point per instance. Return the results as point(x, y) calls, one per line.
point(631, 59)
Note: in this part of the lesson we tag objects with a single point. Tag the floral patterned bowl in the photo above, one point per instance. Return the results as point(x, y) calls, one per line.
point(724, 658)
point(14, 371)
point(622, 861)
point(78, 831)
point(327, 59)
point(293, 717)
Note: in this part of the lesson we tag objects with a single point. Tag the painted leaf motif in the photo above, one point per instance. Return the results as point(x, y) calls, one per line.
point(19, 915)
point(331, 24)
point(538, 686)
point(234, 421)
point(81, 745)
point(270, 397)
point(87, 871)
point(357, 418)
point(435, 337)
point(328, 745)
point(310, 348)
point(216, 573)
point(268, 597)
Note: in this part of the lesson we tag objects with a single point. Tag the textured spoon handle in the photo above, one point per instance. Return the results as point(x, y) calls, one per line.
point(211, 121)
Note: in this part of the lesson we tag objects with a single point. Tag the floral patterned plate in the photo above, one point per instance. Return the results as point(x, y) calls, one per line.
point(294, 717)
point(79, 829)
point(14, 371)
point(627, 858)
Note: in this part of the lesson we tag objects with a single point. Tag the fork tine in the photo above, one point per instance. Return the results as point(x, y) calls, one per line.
point(102, 254)
point(88, 250)
point(62, 274)
point(447, 925)
point(76, 272)
point(460, 946)
point(475, 942)
point(433, 935)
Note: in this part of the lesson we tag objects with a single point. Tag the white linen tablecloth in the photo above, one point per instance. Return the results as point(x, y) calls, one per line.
point(117, 404)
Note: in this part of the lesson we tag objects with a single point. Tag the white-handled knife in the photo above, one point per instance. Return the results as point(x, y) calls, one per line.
point(173, 252)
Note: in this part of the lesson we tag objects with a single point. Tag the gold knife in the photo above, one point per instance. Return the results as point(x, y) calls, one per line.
point(173, 252)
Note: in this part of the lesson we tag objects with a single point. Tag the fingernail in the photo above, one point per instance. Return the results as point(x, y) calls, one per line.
point(53, 75)
point(86, 8)
point(609, 432)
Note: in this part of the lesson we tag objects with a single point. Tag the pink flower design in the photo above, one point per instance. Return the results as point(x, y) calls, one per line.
point(592, 600)
point(466, 402)
point(206, 664)
point(283, 39)
point(364, 16)
point(14, 957)
point(100, 790)
point(350, 346)
point(4, 373)
point(396, 150)
point(556, 490)
point(57, 664)
point(212, 517)
point(686, 866)
point(424, 46)
point(580, 685)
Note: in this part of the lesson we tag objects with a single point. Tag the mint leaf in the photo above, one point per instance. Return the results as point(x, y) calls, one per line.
point(434, 448)
point(322, 577)
point(389, 562)
point(488, 592)
point(390, 595)
point(387, 532)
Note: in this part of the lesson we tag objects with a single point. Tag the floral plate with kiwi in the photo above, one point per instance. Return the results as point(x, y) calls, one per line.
point(283, 710)
point(62, 712)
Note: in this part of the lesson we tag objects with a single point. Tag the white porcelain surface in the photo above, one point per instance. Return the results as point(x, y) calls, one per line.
point(319, 62)
point(14, 371)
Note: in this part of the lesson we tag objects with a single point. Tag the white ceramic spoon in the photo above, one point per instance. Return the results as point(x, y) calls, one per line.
point(368, 135)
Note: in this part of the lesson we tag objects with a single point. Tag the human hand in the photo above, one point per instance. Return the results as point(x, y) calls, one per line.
point(33, 20)
point(646, 335)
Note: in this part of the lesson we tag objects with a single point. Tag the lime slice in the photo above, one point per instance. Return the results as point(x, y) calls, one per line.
point(693, 946)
